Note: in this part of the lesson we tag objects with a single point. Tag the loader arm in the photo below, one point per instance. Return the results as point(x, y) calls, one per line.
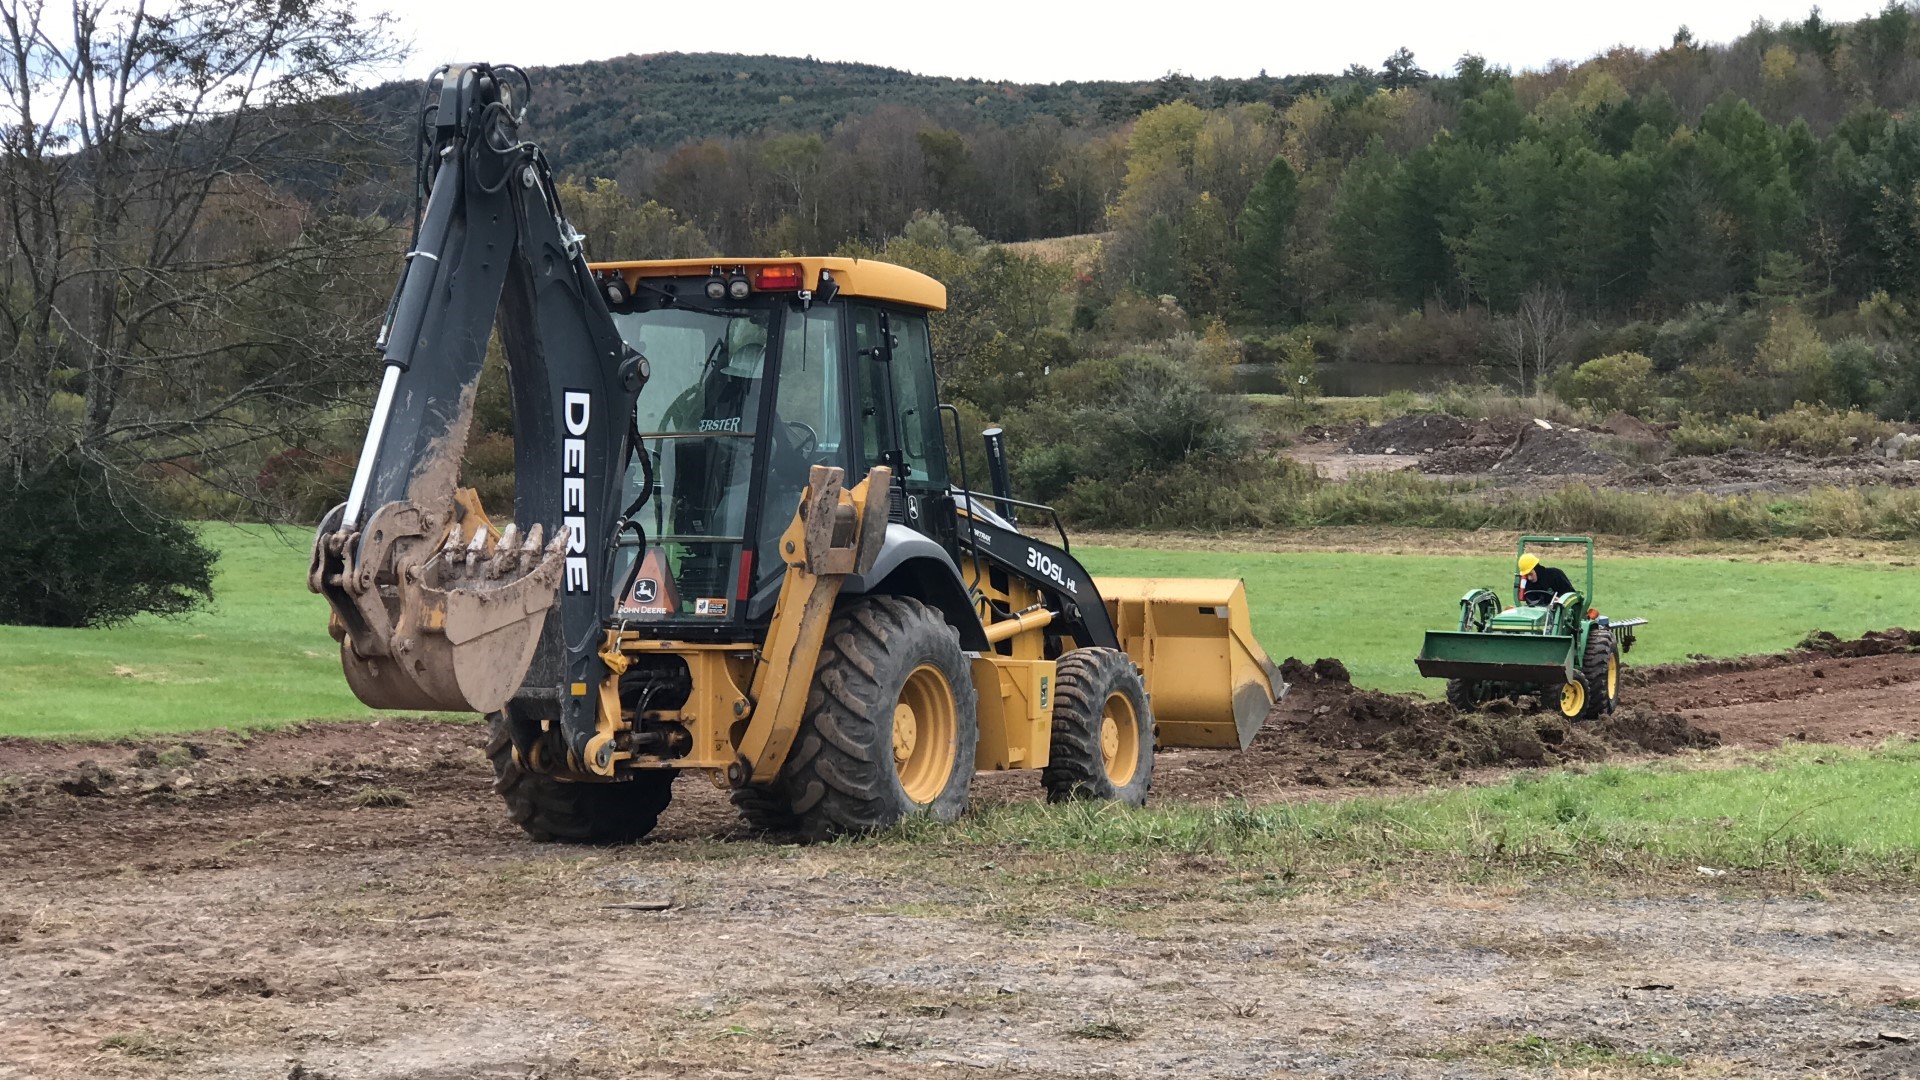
point(432, 608)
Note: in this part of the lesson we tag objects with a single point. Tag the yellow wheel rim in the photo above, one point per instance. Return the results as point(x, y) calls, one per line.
point(1119, 739)
point(926, 734)
point(1573, 699)
point(1613, 676)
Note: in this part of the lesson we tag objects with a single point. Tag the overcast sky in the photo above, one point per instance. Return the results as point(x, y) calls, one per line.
point(1042, 41)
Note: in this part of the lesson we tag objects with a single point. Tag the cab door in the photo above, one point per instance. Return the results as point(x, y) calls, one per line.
point(899, 418)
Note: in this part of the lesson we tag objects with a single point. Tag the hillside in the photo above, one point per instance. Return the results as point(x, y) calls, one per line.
point(588, 114)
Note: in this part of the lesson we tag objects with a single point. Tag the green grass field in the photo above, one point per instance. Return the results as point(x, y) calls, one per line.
point(261, 655)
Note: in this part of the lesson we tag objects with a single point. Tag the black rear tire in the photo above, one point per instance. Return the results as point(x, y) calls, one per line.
point(1464, 694)
point(891, 724)
point(1102, 745)
point(765, 809)
point(568, 812)
point(1600, 669)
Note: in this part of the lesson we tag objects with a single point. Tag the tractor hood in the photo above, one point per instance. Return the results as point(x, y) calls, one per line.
point(1521, 620)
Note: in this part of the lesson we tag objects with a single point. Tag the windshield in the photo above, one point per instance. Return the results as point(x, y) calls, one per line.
point(696, 420)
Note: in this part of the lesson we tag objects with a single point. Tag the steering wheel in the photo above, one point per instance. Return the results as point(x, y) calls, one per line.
point(804, 439)
point(1537, 597)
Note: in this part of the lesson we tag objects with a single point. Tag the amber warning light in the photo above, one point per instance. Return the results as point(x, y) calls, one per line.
point(777, 276)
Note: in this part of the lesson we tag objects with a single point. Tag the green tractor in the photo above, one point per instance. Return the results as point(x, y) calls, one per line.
point(1553, 641)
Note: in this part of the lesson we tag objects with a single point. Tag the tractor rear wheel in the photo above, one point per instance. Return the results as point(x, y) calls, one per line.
point(1102, 730)
point(1600, 669)
point(569, 812)
point(891, 724)
point(1464, 694)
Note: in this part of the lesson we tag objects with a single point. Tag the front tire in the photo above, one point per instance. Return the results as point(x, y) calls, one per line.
point(568, 812)
point(1102, 744)
point(891, 724)
point(1464, 694)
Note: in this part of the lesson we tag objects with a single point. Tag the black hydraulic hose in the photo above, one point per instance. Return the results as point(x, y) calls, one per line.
point(629, 516)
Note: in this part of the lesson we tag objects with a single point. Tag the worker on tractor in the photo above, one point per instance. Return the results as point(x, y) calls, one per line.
point(1538, 584)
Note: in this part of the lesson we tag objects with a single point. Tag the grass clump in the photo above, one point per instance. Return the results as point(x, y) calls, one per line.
point(141, 1044)
point(1109, 1030)
point(1540, 1051)
point(373, 798)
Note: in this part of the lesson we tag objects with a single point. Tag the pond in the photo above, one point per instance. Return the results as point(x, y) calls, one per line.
point(1352, 378)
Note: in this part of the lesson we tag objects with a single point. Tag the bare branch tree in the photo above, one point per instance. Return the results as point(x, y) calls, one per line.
point(174, 283)
point(1533, 338)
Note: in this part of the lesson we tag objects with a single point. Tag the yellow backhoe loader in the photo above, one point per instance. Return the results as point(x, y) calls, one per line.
point(692, 582)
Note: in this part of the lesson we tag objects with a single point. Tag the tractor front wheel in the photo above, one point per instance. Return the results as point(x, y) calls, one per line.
point(1102, 744)
point(891, 726)
point(570, 812)
point(1464, 694)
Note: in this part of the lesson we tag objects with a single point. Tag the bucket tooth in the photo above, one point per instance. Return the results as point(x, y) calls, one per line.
point(477, 549)
point(506, 552)
point(453, 551)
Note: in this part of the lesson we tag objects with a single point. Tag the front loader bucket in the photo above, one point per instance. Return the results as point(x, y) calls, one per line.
point(1533, 659)
point(1209, 682)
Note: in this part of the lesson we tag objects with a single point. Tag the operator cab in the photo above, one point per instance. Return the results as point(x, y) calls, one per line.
point(760, 370)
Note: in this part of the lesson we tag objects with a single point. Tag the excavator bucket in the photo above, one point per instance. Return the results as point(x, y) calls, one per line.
point(437, 616)
point(1209, 681)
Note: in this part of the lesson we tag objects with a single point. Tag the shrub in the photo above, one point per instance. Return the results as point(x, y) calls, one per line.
point(1797, 362)
point(1814, 430)
point(1434, 336)
point(1621, 382)
point(1860, 373)
point(1482, 401)
point(488, 470)
point(88, 550)
point(1109, 419)
point(303, 485)
point(1133, 317)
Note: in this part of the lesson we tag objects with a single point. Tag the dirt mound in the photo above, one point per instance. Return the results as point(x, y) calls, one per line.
point(1411, 435)
point(1814, 646)
point(1629, 426)
point(1411, 738)
point(1557, 451)
point(1643, 727)
point(1464, 460)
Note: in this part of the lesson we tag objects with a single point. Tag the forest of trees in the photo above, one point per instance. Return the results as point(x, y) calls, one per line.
point(196, 259)
point(1637, 182)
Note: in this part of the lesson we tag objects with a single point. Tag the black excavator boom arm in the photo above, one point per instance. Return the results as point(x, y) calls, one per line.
point(433, 608)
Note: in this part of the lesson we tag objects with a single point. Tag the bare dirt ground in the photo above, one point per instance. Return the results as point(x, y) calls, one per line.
point(347, 901)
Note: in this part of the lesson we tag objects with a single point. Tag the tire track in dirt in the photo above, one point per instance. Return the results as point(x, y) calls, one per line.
point(1855, 691)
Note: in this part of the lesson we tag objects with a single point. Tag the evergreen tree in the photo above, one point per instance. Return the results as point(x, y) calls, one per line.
point(1265, 233)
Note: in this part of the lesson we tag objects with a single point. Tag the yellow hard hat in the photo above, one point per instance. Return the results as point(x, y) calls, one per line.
point(1528, 562)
